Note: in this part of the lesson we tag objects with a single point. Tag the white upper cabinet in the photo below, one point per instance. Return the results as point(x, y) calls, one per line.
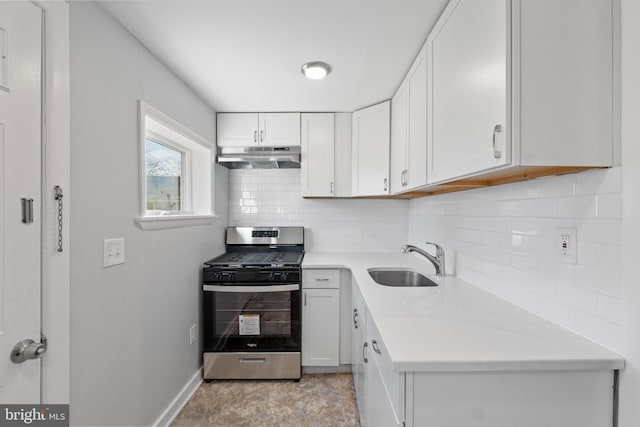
point(279, 129)
point(370, 150)
point(399, 138)
point(511, 85)
point(317, 163)
point(258, 129)
point(237, 129)
point(326, 155)
point(468, 64)
point(409, 129)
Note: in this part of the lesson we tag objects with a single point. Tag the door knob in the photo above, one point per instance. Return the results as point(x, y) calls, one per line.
point(26, 350)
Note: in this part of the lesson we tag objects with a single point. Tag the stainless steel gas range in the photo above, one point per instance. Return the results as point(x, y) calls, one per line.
point(252, 310)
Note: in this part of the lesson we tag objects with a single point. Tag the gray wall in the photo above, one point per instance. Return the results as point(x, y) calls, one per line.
point(130, 351)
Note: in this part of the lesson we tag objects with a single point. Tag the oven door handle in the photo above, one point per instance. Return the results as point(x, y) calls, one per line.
point(252, 289)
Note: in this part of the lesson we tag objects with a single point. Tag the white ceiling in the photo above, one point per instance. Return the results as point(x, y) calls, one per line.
point(245, 55)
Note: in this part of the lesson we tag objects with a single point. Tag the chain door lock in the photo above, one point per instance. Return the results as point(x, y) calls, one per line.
point(58, 196)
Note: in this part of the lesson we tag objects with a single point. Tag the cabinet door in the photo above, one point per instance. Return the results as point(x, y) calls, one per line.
point(379, 409)
point(237, 129)
point(371, 150)
point(279, 129)
point(467, 92)
point(399, 138)
point(317, 165)
point(358, 340)
point(320, 327)
point(416, 174)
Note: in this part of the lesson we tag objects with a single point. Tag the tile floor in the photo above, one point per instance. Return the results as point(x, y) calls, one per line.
point(318, 400)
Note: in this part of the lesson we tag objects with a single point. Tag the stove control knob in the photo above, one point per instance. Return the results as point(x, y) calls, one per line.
point(272, 276)
point(283, 276)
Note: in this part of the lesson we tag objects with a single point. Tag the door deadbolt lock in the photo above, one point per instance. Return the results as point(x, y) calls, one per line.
point(26, 350)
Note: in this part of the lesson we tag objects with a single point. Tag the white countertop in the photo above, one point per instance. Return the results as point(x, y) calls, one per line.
point(460, 327)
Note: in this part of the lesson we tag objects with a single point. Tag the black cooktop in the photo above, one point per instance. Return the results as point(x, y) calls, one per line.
point(251, 259)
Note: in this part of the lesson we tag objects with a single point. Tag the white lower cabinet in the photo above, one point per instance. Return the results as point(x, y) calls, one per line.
point(358, 348)
point(377, 386)
point(320, 317)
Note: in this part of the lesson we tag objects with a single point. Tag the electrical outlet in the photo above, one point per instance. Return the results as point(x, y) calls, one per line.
point(192, 334)
point(566, 245)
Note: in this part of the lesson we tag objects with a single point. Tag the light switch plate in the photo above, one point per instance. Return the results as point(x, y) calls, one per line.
point(113, 252)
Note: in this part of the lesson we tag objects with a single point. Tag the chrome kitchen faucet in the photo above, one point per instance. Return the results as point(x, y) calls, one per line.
point(437, 261)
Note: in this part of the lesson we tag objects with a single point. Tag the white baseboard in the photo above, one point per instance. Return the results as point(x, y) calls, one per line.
point(180, 400)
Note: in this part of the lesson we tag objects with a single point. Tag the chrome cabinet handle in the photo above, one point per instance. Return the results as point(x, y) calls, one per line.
point(364, 352)
point(374, 344)
point(331, 187)
point(261, 136)
point(385, 184)
point(255, 136)
point(305, 299)
point(322, 279)
point(355, 318)
point(496, 153)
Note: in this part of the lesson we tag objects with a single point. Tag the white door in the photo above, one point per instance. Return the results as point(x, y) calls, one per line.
point(468, 89)
point(20, 70)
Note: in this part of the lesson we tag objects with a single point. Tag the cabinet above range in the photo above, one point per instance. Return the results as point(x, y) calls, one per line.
point(258, 129)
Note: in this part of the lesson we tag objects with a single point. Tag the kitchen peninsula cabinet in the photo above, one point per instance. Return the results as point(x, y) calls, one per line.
point(454, 354)
point(258, 129)
point(370, 150)
point(513, 91)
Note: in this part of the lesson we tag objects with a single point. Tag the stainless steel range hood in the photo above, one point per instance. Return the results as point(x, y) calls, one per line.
point(259, 157)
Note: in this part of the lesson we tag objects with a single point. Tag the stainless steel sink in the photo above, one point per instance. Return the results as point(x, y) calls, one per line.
point(402, 278)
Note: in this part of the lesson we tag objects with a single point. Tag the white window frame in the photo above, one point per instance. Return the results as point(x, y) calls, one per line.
point(197, 183)
point(185, 174)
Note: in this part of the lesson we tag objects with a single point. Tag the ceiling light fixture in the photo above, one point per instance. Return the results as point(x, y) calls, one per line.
point(316, 70)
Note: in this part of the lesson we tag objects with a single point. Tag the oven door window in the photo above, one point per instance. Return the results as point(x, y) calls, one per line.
point(252, 321)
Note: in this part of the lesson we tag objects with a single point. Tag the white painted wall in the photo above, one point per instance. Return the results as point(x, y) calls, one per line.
point(273, 197)
point(130, 349)
point(630, 378)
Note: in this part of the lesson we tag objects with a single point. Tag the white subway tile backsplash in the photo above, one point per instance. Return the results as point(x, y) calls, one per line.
point(501, 238)
point(505, 236)
point(599, 181)
point(578, 206)
point(273, 197)
point(577, 298)
point(609, 309)
point(558, 186)
point(609, 206)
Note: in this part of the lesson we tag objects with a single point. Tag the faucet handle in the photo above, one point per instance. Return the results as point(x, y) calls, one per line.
point(439, 250)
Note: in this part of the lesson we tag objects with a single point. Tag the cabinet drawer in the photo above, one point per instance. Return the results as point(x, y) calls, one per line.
point(393, 380)
point(320, 279)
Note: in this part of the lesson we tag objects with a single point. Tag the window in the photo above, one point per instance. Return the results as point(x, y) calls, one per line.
point(175, 173)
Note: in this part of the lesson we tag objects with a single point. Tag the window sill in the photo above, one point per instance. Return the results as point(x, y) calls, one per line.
point(161, 222)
